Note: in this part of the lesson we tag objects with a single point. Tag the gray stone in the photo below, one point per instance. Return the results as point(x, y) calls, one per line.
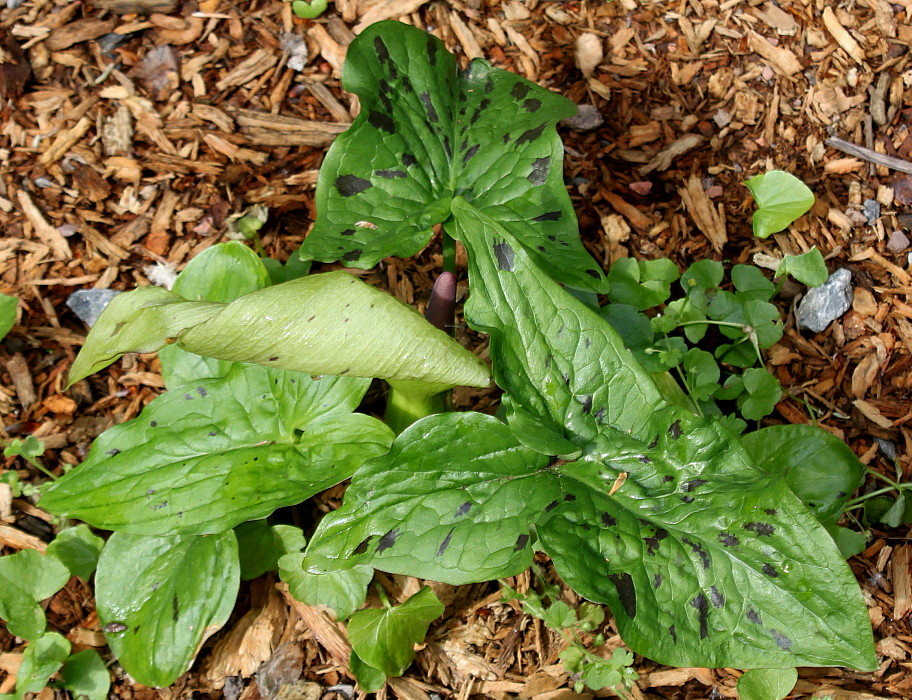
point(89, 303)
point(824, 304)
point(871, 210)
point(898, 242)
point(586, 119)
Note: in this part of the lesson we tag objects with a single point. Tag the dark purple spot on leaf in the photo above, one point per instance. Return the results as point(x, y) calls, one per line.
point(468, 154)
point(698, 550)
point(521, 543)
point(407, 84)
point(570, 497)
point(463, 509)
point(159, 506)
point(657, 581)
point(432, 50)
point(311, 318)
point(388, 540)
point(541, 248)
point(728, 540)
point(390, 174)
point(760, 528)
point(540, 169)
point(175, 609)
point(212, 433)
point(350, 185)
point(446, 543)
point(608, 520)
point(551, 506)
point(352, 255)
point(153, 423)
point(531, 135)
point(674, 635)
point(702, 606)
point(770, 570)
point(187, 397)
point(532, 105)
point(667, 478)
point(652, 445)
point(687, 499)
point(432, 116)
point(201, 391)
point(587, 403)
point(675, 430)
point(362, 548)
point(482, 106)
point(773, 511)
point(113, 453)
point(753, 616)
point(489, 85)
point(447, 146)
point(594, 273)
point(504, 254)
point(383, 53)
point(626, 591)
point(566, 378)
point(644, 459)
point(600, 414)
point(506, 138)
point(520, 90)
point(548, 216)
point(781, 640)
point(692, 484)
point(408, 159)
point(381, 121)
point(652, 543)
point(717, 599)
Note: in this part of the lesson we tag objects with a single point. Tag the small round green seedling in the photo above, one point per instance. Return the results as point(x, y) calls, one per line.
point(308, 10)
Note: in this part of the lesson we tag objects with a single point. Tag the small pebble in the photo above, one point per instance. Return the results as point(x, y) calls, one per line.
point(586, 119)
point(871, 210)
point(824, 304)
point(89, 303)
point(887, 448)
point(898, 242)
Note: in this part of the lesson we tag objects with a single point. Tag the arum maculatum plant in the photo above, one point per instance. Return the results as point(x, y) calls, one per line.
point(691, 535)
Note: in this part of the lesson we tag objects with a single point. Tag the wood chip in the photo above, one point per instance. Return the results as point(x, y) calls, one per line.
point(710, 220)
point(872, 413)
point(778, 19)
point(77, 32)
point(253, 66)
point(14, 538)
point(129, 7)
point(640, 221)
point(322, 626)
point(330, 49)
point(49, 235)
point(664, 158)
point(842, 36)
point(589, 53)
point(267, 129)
point(901, 575)
point(466, 37)
point(377, 10)
point(781, 59)
point(65, 141)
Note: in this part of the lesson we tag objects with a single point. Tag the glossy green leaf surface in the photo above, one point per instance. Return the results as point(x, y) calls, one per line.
point(323, 324)
point(385, 638)
point(767, 683)
point(77, 549)
point(8, 306)
point(221, 273)
point(427, 133)
point(370, 679)
point(85, 674)
point(781, 199)
point(41, 659)
point(818, 467)
point(207, 457)
point(26, 578)
point(158, 598)
point(342, 592)
point(808, 268)
point(704, 559)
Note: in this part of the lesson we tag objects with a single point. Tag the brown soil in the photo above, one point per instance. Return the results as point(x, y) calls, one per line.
point(119, 154)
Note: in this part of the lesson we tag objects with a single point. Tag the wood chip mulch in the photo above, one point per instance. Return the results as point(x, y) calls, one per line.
point(132, 130)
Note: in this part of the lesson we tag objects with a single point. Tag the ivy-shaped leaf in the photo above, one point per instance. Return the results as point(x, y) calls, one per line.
point(77, 549)
point(40, 661)
point(704, 559)
point(323, 324)
point(781, 199)
point(8, 307)
point(26, 578)
point(428, 133)
point(85, 674)
point(158, 598)
point(210, 455)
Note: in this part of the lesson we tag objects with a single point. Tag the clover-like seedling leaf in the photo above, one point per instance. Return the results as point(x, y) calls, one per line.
point(41, 659)
point(158, 598)
point(704, 558)
point(427, 133)
point(8, 306)
point(26, 578)
point(751, 283)
point(808, 268)
point(761, 393)
point(385, 638)
point(818, 467)
point(781, 199)
point(210, 455)
point(85, 674)
point(331, 323)
point(767, 683)
point(77, 549)
point(309, 10)
point(642, 284)
point(702, 374)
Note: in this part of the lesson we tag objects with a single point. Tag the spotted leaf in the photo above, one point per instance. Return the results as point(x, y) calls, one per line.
point(428, 133)
point(210, 455)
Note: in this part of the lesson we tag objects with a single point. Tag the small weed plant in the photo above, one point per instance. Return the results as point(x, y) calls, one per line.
point(619, 455)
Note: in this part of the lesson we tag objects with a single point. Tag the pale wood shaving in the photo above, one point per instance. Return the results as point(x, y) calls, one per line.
point(14, 538)
point(466, 37)
point(710, 220)
point(782, 59)
point(49, 235)
point(842, 36)
point(378, 10)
